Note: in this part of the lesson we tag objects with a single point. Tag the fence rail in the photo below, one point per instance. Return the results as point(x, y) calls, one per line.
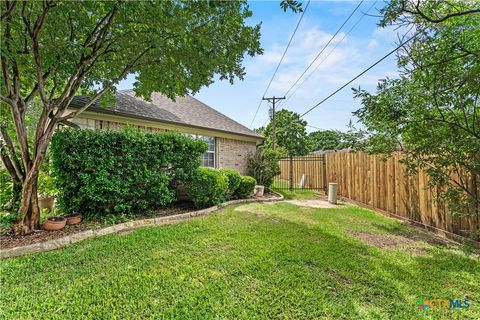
point(370, 180)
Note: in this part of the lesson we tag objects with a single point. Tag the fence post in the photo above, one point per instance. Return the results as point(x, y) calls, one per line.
point(324, 172)
point(291, 173)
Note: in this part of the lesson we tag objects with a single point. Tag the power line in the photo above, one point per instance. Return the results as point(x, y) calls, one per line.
point(331, 51)
point(324, 47)
point(314, 127)
point(280, 62)
point(361, 73)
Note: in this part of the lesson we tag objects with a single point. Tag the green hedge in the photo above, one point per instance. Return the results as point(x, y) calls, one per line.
point(234, 179)
point(120, 172)
point(246, 188)
point(207, 187)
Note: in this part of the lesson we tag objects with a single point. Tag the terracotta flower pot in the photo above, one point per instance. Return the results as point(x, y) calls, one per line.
point(46, 202)
point(74, 218)
point(54, 223)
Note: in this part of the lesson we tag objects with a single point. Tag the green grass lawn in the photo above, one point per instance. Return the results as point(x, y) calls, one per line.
point(254, 261)
point(299, 194)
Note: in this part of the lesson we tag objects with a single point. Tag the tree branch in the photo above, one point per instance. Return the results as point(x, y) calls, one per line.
point(105, 88)
point(7, 100)
point(75, 80)
point(36, 53)
point(10, 6)
point(420, 13)
point(11, 153)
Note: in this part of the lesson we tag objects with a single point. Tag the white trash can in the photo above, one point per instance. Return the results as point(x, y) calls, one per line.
point(332, 192)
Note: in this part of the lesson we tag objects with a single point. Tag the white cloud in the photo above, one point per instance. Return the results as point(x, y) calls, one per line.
point(271, 57)
point(372, 44)
point(332, 70)
point(315, 38)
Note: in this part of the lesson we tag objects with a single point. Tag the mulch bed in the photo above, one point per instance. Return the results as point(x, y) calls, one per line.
point(11, 241)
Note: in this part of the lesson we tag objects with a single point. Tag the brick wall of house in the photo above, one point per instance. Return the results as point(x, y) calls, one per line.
point(233, 154)
point(84, 123)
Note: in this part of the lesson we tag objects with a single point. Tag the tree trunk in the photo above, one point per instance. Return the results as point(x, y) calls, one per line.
point(29, 210)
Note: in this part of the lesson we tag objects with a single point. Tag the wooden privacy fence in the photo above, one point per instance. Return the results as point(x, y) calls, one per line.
point(306, 172)
point(385, 185)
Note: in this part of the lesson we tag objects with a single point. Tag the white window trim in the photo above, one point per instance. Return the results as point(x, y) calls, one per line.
point(209, 151)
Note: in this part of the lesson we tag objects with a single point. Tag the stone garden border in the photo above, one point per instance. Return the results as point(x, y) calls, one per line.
point(131, 225)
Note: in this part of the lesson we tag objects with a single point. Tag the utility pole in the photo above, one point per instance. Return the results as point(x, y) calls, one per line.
point(273, 100)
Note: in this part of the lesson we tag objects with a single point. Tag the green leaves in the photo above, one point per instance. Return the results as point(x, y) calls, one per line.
point(234, 179)
point(174, 47)
point(263, 166)
point(207, 187)
point(293, 5)
point(328, 140)
point(290, 133)
point(121, 173)
point(246, 188)
point(432, 111)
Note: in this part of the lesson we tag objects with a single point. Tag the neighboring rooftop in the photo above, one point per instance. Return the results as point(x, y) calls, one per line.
point(185, 110)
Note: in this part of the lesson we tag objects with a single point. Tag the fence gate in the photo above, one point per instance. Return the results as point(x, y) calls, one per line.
point(306, 172)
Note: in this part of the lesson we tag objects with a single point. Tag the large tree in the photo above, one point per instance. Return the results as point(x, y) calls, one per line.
point(431, 111)
point(54, 50)
point(328, 140)
point(290, 133)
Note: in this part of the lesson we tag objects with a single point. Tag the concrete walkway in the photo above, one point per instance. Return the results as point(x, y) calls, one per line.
point(317, 203)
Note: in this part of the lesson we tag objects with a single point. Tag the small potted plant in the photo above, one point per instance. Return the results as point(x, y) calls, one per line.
point(47, 191)
point(54, 223)
point(74, 218)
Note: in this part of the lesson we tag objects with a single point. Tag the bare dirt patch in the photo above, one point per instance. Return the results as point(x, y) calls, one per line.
point(252, 210)
point(419, 235)
point(316, 203)
point(391, 242)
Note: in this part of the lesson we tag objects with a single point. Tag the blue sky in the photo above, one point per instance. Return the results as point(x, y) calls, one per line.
point(362, 47)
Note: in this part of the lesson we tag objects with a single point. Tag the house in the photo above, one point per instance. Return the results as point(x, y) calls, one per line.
point(229, 143)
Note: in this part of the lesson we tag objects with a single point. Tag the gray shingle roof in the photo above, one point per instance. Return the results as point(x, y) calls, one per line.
point(185, 111)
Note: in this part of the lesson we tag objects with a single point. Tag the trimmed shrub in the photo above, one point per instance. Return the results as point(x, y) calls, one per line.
point(207, 187)
point(104, 173)
point(234, 179)
point(246, 188)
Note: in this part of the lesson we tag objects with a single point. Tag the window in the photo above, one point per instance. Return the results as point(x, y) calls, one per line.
point(208, 158)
